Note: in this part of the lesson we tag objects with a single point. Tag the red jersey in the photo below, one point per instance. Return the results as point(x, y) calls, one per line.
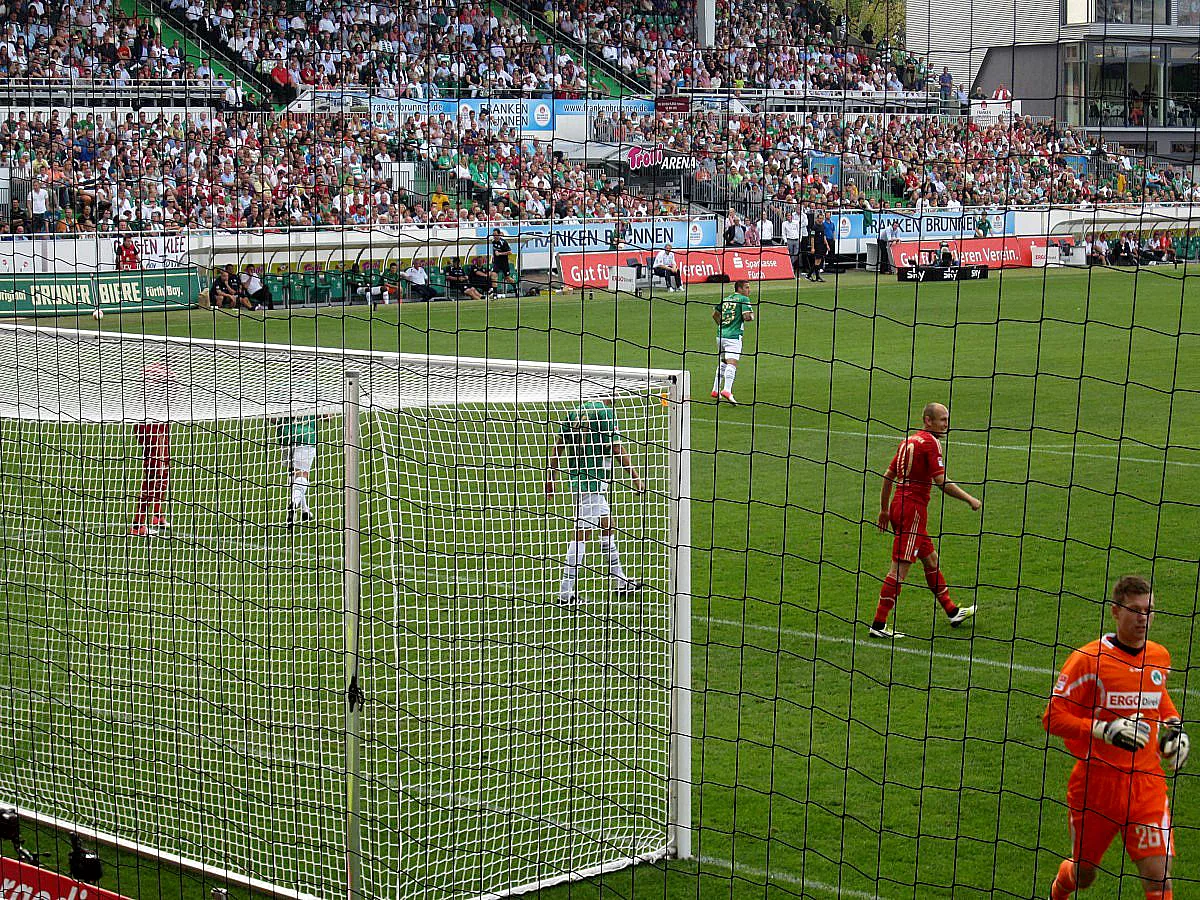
point(917, 462)
point(1103, 681)
point(127, 257)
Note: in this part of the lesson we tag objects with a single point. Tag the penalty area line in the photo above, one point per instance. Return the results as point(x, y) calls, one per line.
point(1050, 449)
point(897, 647)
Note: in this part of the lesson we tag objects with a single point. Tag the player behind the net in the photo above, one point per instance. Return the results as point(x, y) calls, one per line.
point(154, 440)
point(913, 471)
point(1111, 708)
point(587, 443)
point(731, 315)
point(298, 436)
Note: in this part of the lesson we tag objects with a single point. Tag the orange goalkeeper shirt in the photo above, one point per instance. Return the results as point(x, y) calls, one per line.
point(1104, 681)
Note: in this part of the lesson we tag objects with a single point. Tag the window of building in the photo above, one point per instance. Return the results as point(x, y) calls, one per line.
point(1144, 75)
point(1132, 12)
point(1187, 12)
point(1183, 86)
point(1073, 83)
point(1126, 85)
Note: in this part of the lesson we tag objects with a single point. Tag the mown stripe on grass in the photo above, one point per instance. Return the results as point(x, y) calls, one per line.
point(1051, 449)
point(897, 647)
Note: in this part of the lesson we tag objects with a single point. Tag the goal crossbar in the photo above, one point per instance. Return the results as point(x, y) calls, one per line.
point(42, 396)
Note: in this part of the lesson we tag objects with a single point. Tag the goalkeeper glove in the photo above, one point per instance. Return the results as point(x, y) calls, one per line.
point(1174, 744)
point(1127, 734)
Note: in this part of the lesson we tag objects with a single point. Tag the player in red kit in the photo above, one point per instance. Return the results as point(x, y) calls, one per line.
point(915, 468)
point(1112, 710)
point(154, 439)
point(127, 255)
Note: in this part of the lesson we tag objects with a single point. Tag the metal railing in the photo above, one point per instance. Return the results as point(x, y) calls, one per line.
point(207, 50)
point(69, 91)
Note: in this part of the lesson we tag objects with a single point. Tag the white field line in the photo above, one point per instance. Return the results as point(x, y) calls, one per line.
point(168, 538)
point(899, 647)
point(1051, 449)
point(765, 876)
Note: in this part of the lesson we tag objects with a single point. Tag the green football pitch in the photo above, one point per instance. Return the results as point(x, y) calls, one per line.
point(824, 764)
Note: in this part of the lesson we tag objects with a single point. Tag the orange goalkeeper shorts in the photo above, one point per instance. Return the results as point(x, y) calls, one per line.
point(1103, 804)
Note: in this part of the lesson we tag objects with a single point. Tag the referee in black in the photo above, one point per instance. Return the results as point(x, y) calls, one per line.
point(501, 260)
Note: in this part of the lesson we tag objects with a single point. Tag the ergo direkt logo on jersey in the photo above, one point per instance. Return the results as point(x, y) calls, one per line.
point(1125, 700)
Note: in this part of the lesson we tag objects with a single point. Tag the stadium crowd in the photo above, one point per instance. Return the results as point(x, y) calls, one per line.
point(260, 171)
point(88, 39)
point(409, 50)
point(801, 46)
point(430, 48)
point(925, 161)
point(264, 171)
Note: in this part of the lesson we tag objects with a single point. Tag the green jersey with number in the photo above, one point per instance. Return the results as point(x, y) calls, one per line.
point(731, 324)
point(588, 436)
point(300, 431)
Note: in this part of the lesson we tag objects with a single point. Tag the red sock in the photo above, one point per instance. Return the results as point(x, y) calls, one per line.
point(941, 593)
point(1064, 882)
point(888, 594)
point(1159, 895)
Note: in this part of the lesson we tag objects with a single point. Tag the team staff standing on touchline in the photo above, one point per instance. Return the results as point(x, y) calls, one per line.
point(731, 316)
point(913, 471)
point(1112, 710)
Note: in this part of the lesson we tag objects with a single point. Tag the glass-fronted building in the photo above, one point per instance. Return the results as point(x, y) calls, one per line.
point(1128, 69)
point(1131, 84)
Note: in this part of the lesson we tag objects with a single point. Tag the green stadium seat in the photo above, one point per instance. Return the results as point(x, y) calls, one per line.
point(335, 285)
point(297, 289)
point(277, 285)
point(311, 284)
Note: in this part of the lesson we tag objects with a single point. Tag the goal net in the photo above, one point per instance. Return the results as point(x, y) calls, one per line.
point(390, 704)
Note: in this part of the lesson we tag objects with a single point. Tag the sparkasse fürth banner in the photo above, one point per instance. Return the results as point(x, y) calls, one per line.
point(695, 266)
point(21, 881)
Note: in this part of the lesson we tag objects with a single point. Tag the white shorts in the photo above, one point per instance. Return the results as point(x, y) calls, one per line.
point(729, 348)
point(300, 457)
point(590, 509)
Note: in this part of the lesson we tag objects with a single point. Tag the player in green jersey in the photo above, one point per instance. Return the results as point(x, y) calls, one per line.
point(731, 316)
point(587, 443)
point(298, 436)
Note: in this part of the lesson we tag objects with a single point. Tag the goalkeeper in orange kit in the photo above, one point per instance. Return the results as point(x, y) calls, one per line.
point(1111, 708)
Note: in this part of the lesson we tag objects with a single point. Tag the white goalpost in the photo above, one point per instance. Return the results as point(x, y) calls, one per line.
point(386, 701)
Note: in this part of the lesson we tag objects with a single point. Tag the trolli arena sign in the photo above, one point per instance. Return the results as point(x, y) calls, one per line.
point(640, 158)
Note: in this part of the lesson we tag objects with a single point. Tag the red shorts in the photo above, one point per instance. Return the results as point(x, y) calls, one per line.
point(155, 441)
point(908, 523)
point(1102, 805)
